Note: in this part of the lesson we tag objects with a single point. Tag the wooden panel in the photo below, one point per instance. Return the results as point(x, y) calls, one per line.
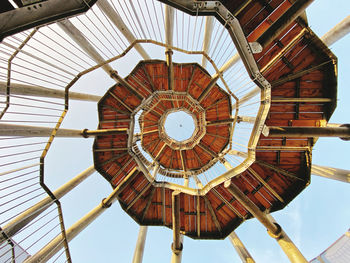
point(199, 83)
point(182, 77)
point(158, 74)
point(267, 20)
point(271, 50)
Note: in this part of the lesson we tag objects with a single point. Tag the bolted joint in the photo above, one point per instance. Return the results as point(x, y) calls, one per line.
point(169, 52)
point(104, 204)
point(345, 138)
point(278, 232)
point(255, 47)
point(176, 250)
point(84, 133)
point(113, 73)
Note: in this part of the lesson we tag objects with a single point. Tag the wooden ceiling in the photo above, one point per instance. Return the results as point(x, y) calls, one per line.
point(303, 75)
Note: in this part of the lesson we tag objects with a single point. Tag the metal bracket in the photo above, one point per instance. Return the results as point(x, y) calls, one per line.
point(255, 47)
point(265, 131)
point(176, 250)
point(38, 14)
point(277, 234)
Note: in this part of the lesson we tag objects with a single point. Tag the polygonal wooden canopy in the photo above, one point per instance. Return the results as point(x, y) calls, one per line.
point(212, 127)
point(258, 85)
point(302, 73)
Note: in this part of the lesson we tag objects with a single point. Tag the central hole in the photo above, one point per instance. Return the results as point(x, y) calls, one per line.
point(179, 125)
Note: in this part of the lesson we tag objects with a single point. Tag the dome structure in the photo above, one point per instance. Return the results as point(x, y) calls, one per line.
point(258, 86)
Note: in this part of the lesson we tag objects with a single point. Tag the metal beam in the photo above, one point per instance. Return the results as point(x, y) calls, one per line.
point(120, 100)
point(343, 132)
point(218, 122)
point(31, 213)
point(248, 119)
point(289, 100)
point(207, 89)
point(293, 253)
point(198, 215)
point(35, 131)
point(273, 228)
point(169, 25)
point(331, 173)
point(208, 204)
point(256, 90)
point(229, 63)
point(299, 74)
point(140, 245)
point(337, 32)
point(279, 170)
point(208, 30)
point(183, 161)
point(176, 221)
point(252, 208)
point(282, 148)
point(240, 248)
point(284, 50)
point(212, 213)
point(283, 21)
point(138, 196)
point(123, 28)
point(75, 34)
point(27, 17)
point(126, 84)
point(56, 244)
point(228, 166)
point(238, 153)
point(169, 31)
point(37, 91)
point(177, 253)
point(241, 7)
point(177, 239)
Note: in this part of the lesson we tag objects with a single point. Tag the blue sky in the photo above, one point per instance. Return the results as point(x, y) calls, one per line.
point(314, 220)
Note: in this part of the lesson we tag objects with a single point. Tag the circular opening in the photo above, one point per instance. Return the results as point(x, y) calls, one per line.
point(179, 125)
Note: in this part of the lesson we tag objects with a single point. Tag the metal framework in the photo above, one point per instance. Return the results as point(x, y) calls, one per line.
point(242, 160)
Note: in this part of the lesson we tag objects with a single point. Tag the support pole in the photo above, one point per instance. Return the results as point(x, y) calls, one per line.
point(273, 228)
point(36, 131)
point(229, 63)
point(37, 91)
point(140, 245)
point(337, 32)
point(169, 30)
point(208, 30)
point(240, 248)
point(342, 132)
point(331, 173)
point(109, 11)
point(31, 213)
point(176, 256)
point(56, 244)
point(177, 240)
point(287, 245)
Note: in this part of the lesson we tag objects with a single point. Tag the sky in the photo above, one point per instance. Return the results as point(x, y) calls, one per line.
point(314, 220)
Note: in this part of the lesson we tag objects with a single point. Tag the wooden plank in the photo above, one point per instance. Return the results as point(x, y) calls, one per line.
point(148, 203)
point(279, 170)
point(268, 187)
